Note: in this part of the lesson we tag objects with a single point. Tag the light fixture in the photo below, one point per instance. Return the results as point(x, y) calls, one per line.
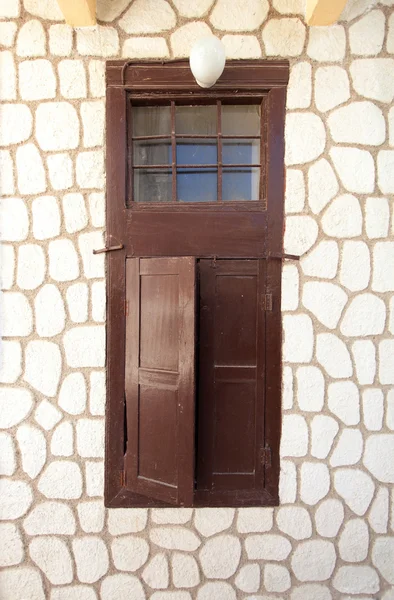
point(207, 60)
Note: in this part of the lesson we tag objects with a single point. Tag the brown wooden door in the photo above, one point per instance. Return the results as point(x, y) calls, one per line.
point(232, 380)
point(160, 347)
point(225, 229)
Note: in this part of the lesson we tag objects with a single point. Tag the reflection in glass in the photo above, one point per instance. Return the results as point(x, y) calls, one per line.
point(195, 120)
point(152, 152)
point(196, 152)
point(240, 183)
point(242, 119)
point(197, 185)
point(151, 120)
point(152, 185)
point(240, 151)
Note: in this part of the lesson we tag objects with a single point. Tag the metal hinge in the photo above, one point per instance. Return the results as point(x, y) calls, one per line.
point(122, 476)
point(265, 456)
point(268, 302)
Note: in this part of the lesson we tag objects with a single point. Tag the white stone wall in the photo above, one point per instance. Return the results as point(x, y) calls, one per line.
point(332, 537)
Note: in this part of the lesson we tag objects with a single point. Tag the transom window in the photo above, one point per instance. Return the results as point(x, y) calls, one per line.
point(196, 153)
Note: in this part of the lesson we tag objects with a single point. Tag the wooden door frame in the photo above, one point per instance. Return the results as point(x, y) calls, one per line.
point(152, 80)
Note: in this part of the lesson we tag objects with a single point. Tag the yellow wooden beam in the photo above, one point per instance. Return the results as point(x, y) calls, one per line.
point(323, 12)
point(79, 13)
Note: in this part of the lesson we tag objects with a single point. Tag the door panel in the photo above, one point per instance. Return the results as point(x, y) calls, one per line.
point(159, 343)
point(197, 233)
point(157, 459)
point(160, 383)
point(231, 392)
point(235, 319)
point(234, 439)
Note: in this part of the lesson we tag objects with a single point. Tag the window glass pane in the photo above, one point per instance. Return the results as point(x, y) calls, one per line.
point(241, 151)
point(152, 185)
point(195, 120)
point(241, 119)
point(197, 185)
point(196, 152)
point(240, 183)
point(152, 152)
point(151, 120)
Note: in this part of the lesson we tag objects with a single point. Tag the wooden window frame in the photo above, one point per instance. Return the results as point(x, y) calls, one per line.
point(201, 98)
point(138, 232)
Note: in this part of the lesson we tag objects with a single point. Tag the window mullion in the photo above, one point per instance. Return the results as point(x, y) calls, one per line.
point(263, 152)
point(130, 155)
point(173, 152)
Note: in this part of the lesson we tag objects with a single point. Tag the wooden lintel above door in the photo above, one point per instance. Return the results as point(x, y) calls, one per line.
point(82, 13)
point(79, 13)
point(323, 12)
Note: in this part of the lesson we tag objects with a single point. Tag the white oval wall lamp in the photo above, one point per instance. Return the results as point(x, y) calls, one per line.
point(207, 60)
